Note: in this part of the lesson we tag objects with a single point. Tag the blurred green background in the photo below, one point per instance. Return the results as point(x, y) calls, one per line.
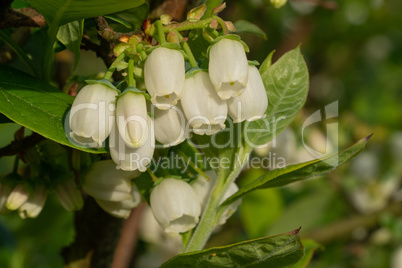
point(353, 50)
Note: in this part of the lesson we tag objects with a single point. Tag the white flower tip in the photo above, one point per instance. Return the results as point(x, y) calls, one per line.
point(230, 89)
point(208, 129)
point(174, 143)
point(182, 224)
point(165, 102)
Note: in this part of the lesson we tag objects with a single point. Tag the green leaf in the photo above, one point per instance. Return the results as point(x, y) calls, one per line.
point(64, 11)
point(266, 63)
point(292, 173)
point(275, 251)
point(128, 20)
point(286, 83)
point(35, 105)
point(310, 247)
point(243, 26)
point(70, 35)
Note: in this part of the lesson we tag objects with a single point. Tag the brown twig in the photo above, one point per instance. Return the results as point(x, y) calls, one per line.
point(22, 17)
point(128, 240)
point(345, 227)
point(107, 32)
point(18, 146)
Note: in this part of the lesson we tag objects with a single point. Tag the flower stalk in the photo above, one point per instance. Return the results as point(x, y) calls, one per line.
point(187, 49)
point(112, 67)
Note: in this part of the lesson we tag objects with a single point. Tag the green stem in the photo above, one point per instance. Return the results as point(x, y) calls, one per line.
point(210, 216)
point(18, 51)
point(154, 178)
point(160, 30)
point(131, 81)
point(187, 25)
point(16, 162)
point(191, 163)
point(187, 49)
point(222, 23)
point(112, 67)
point(48, 56)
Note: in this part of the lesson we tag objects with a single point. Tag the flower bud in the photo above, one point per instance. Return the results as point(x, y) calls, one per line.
point(253, 102)
point(170, 126)
point(204, 110)
point(5, 191)
point(175, 206)
point(228, 68)
point(278, 3)
point(69, 196)
point(164, 75)
point(17, 197)
point(34, 205)
point(131, 116)
point(104, 182)
point(92, 114)
point(129, 159)
point(121, 209)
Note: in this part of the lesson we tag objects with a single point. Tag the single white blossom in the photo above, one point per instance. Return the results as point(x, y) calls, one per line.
point(18, 197)
point(121, 209)
point(131, 118)
point(69, 195)
point(104, 181)
point(129, 159)
point(175, 206)
point(228, 68)
point(92, 114)
point(34, 205)
point(164, 75)
point(170, 126)
point(253, 102)
point(5, 191)
point(151, 232)
point(204, 110)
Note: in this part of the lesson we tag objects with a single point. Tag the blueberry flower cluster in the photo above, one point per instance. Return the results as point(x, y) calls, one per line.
point(166, 97)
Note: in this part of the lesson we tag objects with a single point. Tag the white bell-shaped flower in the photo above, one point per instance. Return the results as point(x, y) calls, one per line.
point(232, 207)
point(164, 75)
point(203, 186)
point(5, 191)
point(104, 181)
point(129, 159)
point(34, 205)
point(131, 118)
point(92, 114)
point(204, 110)
point(170, 126)
point(17, 197)
point(69, 195)
point(175, 206)
point(151, 232)
point(228, 68)
point(253, 102)
point(121, 209)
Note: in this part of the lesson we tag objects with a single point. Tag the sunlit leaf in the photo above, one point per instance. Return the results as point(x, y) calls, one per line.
point(35, 105)
point(275, 251)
